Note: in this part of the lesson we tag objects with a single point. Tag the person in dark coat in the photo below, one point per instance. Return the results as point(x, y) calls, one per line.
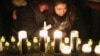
point(65, 17)
point(30, 18)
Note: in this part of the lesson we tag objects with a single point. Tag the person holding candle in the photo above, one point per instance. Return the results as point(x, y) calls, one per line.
point(66, 17)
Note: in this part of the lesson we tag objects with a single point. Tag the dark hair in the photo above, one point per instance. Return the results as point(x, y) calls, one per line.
point(39, 2)
point(70, 10)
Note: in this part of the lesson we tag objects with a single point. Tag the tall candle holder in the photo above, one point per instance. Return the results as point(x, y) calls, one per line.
point(73, 42)
point(57, 40)
point(42, 40)
point(22, 35)
point(43, 37)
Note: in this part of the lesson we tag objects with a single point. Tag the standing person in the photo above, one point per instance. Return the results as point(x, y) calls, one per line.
point(16, 5)
point(66, 18)
point(31, 17)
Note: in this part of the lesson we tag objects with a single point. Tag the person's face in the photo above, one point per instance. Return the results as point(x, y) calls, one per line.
point(43, 7)
point(60, 9)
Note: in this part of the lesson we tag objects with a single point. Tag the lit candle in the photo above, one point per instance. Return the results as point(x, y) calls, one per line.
point(12, 39)
point(90, 42)
point(35, 45)
point(50, 47)
point(97, 49)
point(7, 45)
point(86, 48)
point(52, 44)
point(48, 39)
point(43, 34)
point(66, 40)
point(42, 41)
point(78, 43)
point(47, 44)
point(22, 35)
point(57, 39)
point(2, 39)
point(35, 40)
point(29, 45)
point(65, 49)
point(1, 46)
point(73, 40)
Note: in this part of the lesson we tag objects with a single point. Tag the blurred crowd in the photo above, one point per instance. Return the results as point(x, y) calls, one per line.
point(64, 15)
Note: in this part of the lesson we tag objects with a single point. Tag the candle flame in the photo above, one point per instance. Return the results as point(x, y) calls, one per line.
point(57, 34)
point(66, 40)
point(7, 44)
point(12, 39)
point(90, 42)
point(2, 39)
point(35, 40)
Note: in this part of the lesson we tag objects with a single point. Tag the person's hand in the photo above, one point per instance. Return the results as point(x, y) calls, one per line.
point(47, 27)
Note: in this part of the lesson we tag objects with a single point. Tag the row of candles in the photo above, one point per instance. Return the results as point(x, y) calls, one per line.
point(67, 46)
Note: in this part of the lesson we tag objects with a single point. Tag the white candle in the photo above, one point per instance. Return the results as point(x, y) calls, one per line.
point(86, 48)
point(97, 49)
point(57, 39)
point(45, 26)
point(73, 39)
point(43, 35)
point(65, 49)
point(21, 35)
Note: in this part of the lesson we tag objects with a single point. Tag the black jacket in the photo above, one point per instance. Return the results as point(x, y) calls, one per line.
point(29, 19)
